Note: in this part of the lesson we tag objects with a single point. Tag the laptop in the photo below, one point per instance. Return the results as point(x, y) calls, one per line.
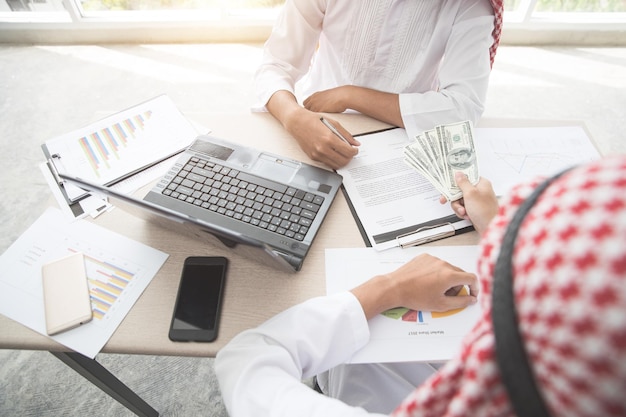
point(264, 206)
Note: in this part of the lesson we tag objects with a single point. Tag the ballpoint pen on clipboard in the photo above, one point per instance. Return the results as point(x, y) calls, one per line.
point(426, 234)
point(416, 235)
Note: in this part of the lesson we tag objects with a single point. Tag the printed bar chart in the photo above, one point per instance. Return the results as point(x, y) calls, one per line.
point(106, 283)
point(103, 145)
point(123, 144)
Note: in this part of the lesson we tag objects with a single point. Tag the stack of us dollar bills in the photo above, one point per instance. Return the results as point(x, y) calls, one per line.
point(441, 152)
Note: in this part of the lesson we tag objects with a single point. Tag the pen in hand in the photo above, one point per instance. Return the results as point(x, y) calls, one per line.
point(334, 130)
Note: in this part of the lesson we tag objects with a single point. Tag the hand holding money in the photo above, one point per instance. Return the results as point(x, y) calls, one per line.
point(441, 152)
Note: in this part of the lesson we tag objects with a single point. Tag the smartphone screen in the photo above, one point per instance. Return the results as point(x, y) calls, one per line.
point(197, 311)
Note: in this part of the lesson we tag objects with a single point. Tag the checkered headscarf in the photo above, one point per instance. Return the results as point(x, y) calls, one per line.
point(569, 277)
point(498, 10)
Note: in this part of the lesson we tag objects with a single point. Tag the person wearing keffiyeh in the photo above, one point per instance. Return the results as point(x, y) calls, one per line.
point(568, 273)
point(410, 63)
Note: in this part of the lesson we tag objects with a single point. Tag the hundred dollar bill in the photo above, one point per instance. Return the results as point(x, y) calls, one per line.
point(415, 157)
point(440, 152)
point(429, 144)
point(433, 143)
point(421, 166)
point(419, 154)
point(459, 154)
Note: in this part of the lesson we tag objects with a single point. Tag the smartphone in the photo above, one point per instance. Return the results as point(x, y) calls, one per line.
point(197, 310)
point(67, 303)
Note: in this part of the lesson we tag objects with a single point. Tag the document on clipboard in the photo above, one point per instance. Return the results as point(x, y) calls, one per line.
point(119, 146)
point(394, 206)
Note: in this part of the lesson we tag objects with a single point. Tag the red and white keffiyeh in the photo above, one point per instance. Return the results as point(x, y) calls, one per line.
point(498, 11)
point(569, 275)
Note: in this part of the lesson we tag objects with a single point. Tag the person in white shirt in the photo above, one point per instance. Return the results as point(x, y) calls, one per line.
point(567, 269)
point(410, 63)
point(260, 370)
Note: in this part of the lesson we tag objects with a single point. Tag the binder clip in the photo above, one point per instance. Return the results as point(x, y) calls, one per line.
point(53, 168)
point(426, 234)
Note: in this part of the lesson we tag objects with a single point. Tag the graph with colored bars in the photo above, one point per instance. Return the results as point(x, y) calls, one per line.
point(107, 282)
point(100, 148)
point(416, 316)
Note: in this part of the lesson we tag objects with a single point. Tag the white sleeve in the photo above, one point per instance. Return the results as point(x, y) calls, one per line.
point(261, 369)
point(288, 51)
point(463, 76)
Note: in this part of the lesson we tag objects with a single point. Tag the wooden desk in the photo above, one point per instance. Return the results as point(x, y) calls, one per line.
point(253, 292)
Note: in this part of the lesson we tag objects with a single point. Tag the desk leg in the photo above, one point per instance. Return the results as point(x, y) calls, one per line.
point(107, 382)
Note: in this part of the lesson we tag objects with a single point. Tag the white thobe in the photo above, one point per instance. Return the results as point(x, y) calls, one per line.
point(260, 370)
point(434, 54)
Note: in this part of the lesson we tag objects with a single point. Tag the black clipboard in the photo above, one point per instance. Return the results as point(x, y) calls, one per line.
point(415, 235)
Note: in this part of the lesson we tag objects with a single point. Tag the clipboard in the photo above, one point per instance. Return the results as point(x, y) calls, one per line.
point(119, 146)
point(74, 194)
point(391, 206)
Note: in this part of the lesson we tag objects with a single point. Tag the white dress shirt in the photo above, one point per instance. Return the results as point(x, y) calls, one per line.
point(434, 54)
point(260, 370)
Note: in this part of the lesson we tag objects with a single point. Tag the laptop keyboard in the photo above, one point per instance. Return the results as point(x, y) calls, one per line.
point(263, 203)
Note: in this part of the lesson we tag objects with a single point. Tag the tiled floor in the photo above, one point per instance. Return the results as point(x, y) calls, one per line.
point(48, 90)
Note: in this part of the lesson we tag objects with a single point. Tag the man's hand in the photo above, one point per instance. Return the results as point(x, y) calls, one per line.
point(318, 141)
point(315, 139)
point(373, 103)
point(479, 203)
point(328, 101)
point(424, 283)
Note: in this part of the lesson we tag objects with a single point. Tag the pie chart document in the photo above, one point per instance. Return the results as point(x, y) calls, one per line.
point(402, 334)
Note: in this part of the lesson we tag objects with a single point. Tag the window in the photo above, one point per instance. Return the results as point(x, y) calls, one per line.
point(81, 21)
point(211, 6)
point(560, 6)
point(584, 22)
point(100, 8)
